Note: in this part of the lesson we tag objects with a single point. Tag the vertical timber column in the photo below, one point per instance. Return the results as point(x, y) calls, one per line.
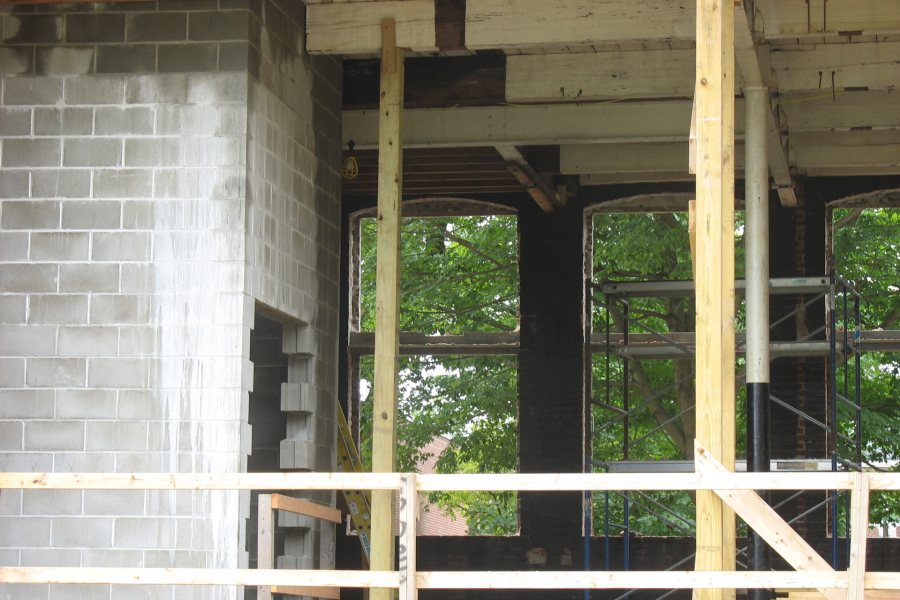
point(715, 410)
point(387, 299)
point(756, 242)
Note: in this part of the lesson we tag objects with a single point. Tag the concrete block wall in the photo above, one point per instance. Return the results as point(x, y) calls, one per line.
point(293, 237)
point(145, 151)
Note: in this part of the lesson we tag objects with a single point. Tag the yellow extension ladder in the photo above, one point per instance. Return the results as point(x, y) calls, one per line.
point(357, 501)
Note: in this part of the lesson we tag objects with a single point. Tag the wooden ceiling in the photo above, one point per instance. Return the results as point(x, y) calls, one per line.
point(607, 86)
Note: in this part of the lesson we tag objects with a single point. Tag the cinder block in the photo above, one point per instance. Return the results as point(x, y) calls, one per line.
point(23, 152)
point(63, 121)
point(54, 435)
point(297, 454)
point(82, 532)
point(22, 340)
point(16, 60)
point(28, 532)
point(14, 184)
point(19, 277)
point(51, 502)
point(126, 59)
point(145, 532)
point(121, 246)
point(35, 28)
point(116, 436)
point(64, 183)
point(15, 122)
point(139, 341)
point(59, 246)
point(57, 309)
point(187, 58)
point(12, 374)
point(85, 404)
point(92, 152)
point(157, 89)
point(136, 120)
point(55, 372)
point(92, 215)
point(11, 435)
point(51, 557)
point(139, 214)
point(236, 56)
point(156, 27)
point(62, 60)
point(95, 591)
point(32, 91)
point(26, 404)
point(111, 558)
point(219, 25)
point(114, 502)
point(84, 277)
point(26, 214)
point(298, 340)
point(88, 28)
point(88, 341)
point(152, 152)
point(95, 90)
point(118, 372)
point(294, 521)
point(120, 309)
point(12, 308)
point(81, 462)
point(123, 183)
point(13, 246)
point(298, 397)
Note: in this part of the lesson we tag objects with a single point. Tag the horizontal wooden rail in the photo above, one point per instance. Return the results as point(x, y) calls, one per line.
point(306, 508)
point(449, 579)
point(525, 482)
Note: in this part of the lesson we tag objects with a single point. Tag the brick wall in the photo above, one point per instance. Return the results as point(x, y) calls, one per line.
point(130, 262)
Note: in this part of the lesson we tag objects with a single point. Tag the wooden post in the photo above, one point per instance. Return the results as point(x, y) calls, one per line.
point(859, 529)
point(387, 299)
point(715, 410)
point(265, 541)
point(409, 513)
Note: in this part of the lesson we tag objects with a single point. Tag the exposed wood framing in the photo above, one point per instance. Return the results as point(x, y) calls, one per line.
point(504, 24)
point(819, 19)
point(753, 61)
point(387, 299)
point(715, 354)
point(872, 66)
point(354, 27)
point(305, 507)
point(265, 541)
point(600, 76)
point(869, 152)
point(823, 110)
point(768, 524)
point(859, 531)
point(419, 343)
point(657, 121)
point(543, 195)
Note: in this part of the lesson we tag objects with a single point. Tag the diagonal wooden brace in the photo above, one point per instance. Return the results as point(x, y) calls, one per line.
point(767, 523)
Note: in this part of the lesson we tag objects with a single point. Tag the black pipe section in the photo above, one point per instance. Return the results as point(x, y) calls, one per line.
point(758, 461)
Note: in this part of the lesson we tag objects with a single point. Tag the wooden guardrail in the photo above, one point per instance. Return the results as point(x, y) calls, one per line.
point(736, 489)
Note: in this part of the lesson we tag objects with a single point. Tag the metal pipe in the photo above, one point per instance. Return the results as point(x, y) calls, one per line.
point(756, 272)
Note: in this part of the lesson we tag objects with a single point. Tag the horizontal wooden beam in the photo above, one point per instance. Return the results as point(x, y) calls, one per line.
point(542, 194)
point(526, 23)
point(362, 343)
point(843, 152)
point(872, 66)
point(819, 19)
point(524, 125)
point(592, 76)
point(305, 507)
point(530, 482)
point(355, 27)
point(824, 110)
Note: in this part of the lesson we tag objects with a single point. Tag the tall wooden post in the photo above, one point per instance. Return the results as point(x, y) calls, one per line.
point(715, 410)
point(387, 300)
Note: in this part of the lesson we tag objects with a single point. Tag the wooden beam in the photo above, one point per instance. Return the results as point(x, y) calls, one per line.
point(825, 111)
point(859, 531)
point(409, 514)
point(330, 593)
point(714, 102)
point(754, 62)
point(525, 23)
point(529, 125)
point(846, 152)
point(307, 508)
point(387, 299)
point(543, 195)
point(586, 77)
point(265, 541)
point(411, 343)
point(217, 577)
point(767, 523)
point(830, 19)
point(873, 66)
point(355, 27)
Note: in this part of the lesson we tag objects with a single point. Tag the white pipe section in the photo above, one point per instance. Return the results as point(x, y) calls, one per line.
point(756, 234)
